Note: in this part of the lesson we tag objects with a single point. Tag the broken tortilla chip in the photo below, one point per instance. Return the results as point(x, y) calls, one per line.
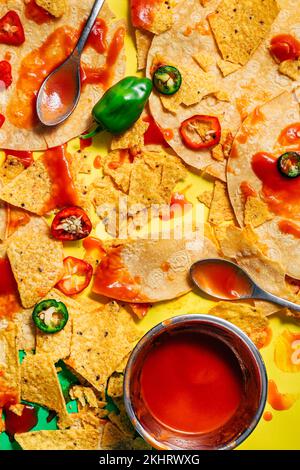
point(69, 439)
point(239, 26)
point(56, 8)
point(256, 212)
point(85, 395)
point(116, 335)
point(39, 384)
point(227, 67)
point(143, 42)
point(204, 59)
point(26, 330)
point(291, 68)
point(131, 138)
point(248, 318)
point(115, 385)
point(36, 261)
point(220, 209)
point(10, 377)
point(10, 169)
point(206, 197)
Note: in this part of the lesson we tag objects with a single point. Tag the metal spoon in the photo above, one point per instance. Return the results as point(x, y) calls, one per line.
point(70, 67)
point(254, 291)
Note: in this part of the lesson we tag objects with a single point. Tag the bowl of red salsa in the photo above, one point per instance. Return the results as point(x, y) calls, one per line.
point(195, 382)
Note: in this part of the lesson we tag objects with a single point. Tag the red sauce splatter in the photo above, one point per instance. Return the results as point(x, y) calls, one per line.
point(18, 424)
point(154, 135)
point(222, 280)
point(98, 36)
point(247, 190)
point(140, 310)
point(199, 379)
point(279, 192)
point(15, 218)
point(113, 280)
point(64, 193)
point(5, 73)
point(98, 162)
point(267, 416)
point(142, 12)
point(288, 227)
point(168, 134)
point(279, 401)
point(25, 157)
point(2, 120)
point(85, 143)
point(290, 135)
point(9, 295)
point(36, 13)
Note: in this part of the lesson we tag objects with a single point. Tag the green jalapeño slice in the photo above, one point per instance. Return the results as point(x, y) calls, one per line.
point(167, 80)
point(50, 316)
point(289, 164)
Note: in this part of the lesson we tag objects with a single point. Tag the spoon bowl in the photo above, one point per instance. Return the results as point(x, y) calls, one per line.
point(225, 280)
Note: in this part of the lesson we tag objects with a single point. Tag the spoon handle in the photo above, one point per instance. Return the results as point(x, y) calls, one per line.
point(262, 295)
point(88, 26)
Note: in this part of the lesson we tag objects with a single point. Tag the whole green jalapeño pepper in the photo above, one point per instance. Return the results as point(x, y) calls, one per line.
point(50, 316)
point(121, 106)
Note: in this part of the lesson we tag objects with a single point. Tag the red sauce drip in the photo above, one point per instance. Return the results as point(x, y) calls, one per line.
point(142, 12)
point(267, 416)
point(280, 193)
point(257, 116)
point(200, 382)
point(16, 218)
point(168, 134)
point(247, 190)
point(64, 193)
point(85, 143)
point(9, 295)
point(113, 280)
point(288, 227)
point(36, 13)
point(2, 120)
point(24, 156)
point(98, 162)
point(103, 76)
point(154, 135)
point(278, 401)
point(140, 310)
point(17, 424)
point(98, 36)
point(290, 135)
point(222, 280)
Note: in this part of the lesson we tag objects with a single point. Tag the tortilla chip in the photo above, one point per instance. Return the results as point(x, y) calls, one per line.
point(115, 385)
point(3, 220)
point(195, 86)
point(204, 59)
point(56, 8)
point(143, 43)
point(40, 384)
point(227, 67)
point(10, 169)
point(220, 209)
point(239, 26)
point(215, 170)
point(256, 212)
point(250, 319)
point(26, 330)
point(58, 346)
point(290, 68)
point(10, 376)
point(116, 334)
point(222, 95)
point(131, 138)
point(122, 366)
point(162, 16)
point(36, 261)
point(206, 197)
point(122, 422)
point(69, 439)
point(85, 395)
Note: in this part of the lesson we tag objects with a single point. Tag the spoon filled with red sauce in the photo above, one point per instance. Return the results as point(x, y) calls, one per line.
point(60, 91)
point(225, 280)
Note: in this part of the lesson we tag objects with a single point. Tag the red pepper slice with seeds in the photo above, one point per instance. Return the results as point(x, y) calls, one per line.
point(78, 275)
point(70, 224)
point(5, 73)
point(11, 29)
point(200, 132)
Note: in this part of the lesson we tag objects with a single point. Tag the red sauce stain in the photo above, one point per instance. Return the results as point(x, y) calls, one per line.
point(64, 193)
point(5, 73)
point(15, 218)
point(36, 13)
point(124, 156)
point(242, 104)
point(98, 36)
point(113, 280)
point(166, 267)
point(103, 76)
point(222, 280)
point(85, 143)
point(140, 310)
point(290, 135)
point(168, 134)
point(154, 135)
point(94, 248)
point(279, 401)
point(9, 295)
point(98, 162)
point(142, 12)
point(18, 424)
point(280, 193)
point(7, 56)
point(247, 190)
point(200, 382)
point(257, 116)
point(2, 120)
point(25, 157)
point(288, 227)
point(267, 416)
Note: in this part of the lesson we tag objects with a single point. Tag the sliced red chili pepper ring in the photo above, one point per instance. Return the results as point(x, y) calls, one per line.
point(200, 132)
point(71, 223)
point(11, 29)
point(78, 275)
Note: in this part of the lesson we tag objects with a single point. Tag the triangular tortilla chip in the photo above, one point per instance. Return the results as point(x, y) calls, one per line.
point(69, 439)
point(36, 261)
point(10, 377)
